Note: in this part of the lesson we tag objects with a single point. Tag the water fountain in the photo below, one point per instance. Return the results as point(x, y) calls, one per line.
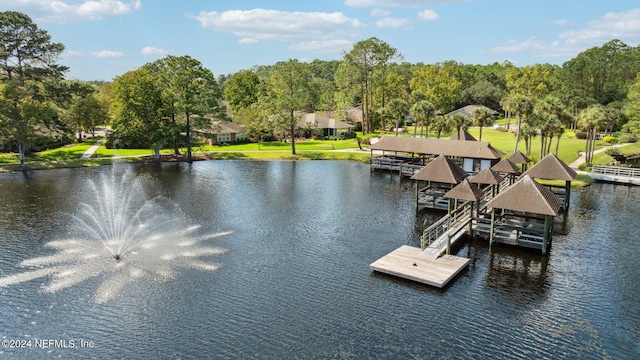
point(121, 235)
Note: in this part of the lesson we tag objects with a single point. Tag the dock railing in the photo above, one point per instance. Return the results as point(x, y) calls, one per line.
point(615, 171)
point(454, 221)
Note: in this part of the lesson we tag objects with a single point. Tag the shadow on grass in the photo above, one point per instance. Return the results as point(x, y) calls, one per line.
point(227, 155)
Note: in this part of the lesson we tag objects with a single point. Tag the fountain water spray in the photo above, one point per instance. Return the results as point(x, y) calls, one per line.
point(122, 235)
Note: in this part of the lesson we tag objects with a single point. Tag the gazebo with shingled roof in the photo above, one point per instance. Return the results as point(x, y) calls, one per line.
point(488, 177)
point(508, 168)
point(439, 176)
point(552, 168)
point(519, 158)
point(522, 215)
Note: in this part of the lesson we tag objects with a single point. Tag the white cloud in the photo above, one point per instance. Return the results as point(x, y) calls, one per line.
point(71, 53)
point(153, 51)
point(380, 12)
point(393, 23)
point(261, 24)
point(560, 22)
point(428, 15)
point(247, 41)
point(326, 46)
point(399, 3)
point(67, 10)
point(624, 26)
point(107, 54)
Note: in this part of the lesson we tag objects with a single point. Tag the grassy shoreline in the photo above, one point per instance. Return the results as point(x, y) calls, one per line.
point(69, 156)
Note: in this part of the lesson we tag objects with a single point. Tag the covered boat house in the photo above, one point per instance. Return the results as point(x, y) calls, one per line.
point(408, 155)
point(552, 168)
point(521, 215)
point(437, 178)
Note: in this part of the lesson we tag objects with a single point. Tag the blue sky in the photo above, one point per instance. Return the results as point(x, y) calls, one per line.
point(106, 38)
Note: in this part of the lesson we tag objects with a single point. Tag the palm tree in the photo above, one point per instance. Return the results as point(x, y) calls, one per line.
point(423, 111)
point(398, 108)
point(520, 105)
point(589, 119)
point(528, 132)
point(555, 116)
point(482, 116)
point(461, 123)
point(442, 124)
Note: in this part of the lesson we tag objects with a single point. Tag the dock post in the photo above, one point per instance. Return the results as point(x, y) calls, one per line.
point(567, 196)
point(417, 195)
point(547, 234)
point(471, 219)
point(493, 221)
point(449, 243)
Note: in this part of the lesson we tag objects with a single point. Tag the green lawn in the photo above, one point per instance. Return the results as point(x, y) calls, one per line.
point(309, 149)
point(604, 159)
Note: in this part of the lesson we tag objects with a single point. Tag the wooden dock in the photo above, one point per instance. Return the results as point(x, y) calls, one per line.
point(409, 262)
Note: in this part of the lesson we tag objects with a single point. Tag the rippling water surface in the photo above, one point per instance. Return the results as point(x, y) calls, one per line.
point(295, 278)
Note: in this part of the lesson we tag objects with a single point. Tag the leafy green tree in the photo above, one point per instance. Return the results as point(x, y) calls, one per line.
point(632, 106)
point(482, 117)
point(27, 64)
point(287, 91)
point(86, 112)
point(137, 110)
point(483, 93)
point(602, 73)
point(439, 85)
point(190, 89)
point(422, 112)
point(242, 89)
point(365, 59)
point(532, 81)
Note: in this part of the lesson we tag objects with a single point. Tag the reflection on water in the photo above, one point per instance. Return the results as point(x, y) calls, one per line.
point(295, 281)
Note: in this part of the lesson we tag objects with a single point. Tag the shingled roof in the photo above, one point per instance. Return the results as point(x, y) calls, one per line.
point(454, 148)
point(442, 170)
point(505, 166)
point(468, 110)
point(465, 191)
point(527, 195)
point(487, 176)
point(519, 158)
point(463, 135)
point(552, 168)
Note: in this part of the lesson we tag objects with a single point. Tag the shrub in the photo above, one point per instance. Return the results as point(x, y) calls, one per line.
point(628, 138)
point(610, 139)
point(501, 129)
point(581, 135)
point(569, 134)
point(266, 137)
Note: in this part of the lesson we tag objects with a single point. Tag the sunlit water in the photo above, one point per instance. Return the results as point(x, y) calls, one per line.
point(292, 275)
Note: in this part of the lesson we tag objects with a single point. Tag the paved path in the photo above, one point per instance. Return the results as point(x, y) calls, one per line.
point(87, 154)
point(582, 158)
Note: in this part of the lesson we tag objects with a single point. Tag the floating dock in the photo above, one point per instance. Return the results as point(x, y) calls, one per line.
point(410, 263)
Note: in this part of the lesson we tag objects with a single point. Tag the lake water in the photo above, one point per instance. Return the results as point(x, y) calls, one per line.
point(295, 280)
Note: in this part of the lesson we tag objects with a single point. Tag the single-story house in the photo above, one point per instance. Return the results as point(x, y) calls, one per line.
point(225, 132)
point(329, 127)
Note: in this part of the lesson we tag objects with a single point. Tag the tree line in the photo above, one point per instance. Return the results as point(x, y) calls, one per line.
point(161, 103)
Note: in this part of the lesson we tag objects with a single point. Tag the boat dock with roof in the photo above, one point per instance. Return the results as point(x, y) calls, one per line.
point(497, 203)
